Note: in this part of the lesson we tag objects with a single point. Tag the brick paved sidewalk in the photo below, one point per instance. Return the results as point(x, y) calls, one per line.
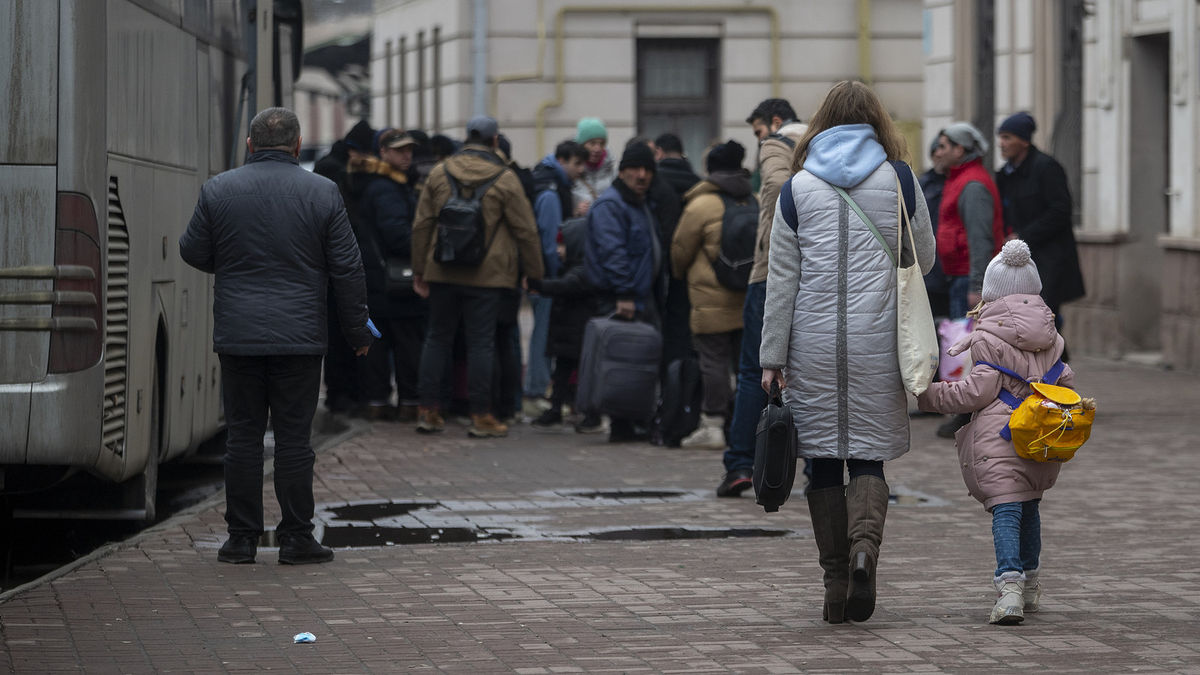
point(545, 591)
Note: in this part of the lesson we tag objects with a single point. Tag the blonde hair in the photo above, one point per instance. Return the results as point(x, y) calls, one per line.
point(852, 102)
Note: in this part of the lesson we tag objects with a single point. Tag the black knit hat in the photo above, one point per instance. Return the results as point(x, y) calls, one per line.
point(727, 156)
point(638, 154)
point(360, 136)
point(1020, 125)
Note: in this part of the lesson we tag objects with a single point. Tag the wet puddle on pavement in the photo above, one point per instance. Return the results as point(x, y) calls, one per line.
point(406, 522)
point(400, 522)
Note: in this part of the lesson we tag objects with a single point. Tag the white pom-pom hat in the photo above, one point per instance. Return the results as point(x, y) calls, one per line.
point(1011, 272)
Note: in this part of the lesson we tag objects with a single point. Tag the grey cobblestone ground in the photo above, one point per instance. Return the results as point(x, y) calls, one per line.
point(1122, 588)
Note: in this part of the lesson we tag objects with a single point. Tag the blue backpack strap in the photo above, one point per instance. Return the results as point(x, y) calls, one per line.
point(907, 186)
point(1012, 401)
point(1006, 371)
point(787, 206)
point(1006, 397)
point(1055, 372)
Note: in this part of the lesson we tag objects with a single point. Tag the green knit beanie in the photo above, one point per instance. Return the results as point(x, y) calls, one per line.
point(589, 128)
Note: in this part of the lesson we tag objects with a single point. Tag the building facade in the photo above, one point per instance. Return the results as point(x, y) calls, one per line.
point(696, 68)
point(1115, 88)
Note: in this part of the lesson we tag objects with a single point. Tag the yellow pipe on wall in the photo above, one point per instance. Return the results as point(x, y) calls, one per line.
point(493, 105)
point(560, 22)
point(864, 41)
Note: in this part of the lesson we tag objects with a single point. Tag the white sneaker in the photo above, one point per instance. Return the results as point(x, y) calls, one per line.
point(1033, 591)
point(710, 434)
point(1009, 609)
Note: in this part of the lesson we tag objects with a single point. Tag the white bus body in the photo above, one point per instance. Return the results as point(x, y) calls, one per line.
point(117, 112)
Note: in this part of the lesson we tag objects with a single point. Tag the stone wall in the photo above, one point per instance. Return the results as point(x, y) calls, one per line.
point(1181, 305)
point(1092, 323)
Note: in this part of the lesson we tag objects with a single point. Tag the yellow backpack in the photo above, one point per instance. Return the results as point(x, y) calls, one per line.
point(1051, 423)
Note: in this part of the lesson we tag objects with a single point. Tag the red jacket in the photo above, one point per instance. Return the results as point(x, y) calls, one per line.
point(952, 248)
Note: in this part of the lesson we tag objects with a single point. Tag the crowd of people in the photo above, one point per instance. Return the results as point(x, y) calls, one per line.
point(753, 286)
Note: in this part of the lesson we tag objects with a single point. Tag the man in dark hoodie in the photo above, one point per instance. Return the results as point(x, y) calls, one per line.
point(675, 171)
point(552, 205)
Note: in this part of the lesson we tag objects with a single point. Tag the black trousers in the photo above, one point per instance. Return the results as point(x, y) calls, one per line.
point(343, 384)
point(285, 388)
point(476, 309)
point(562, 391)
point(676, 331)
point(398, 354)
point(506, 381)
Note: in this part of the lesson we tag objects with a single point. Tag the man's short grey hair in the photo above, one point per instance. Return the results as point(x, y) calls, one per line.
point(275, 128)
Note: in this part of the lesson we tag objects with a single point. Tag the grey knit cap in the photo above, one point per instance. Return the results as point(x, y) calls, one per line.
point(966, 135)
point(1011, 272)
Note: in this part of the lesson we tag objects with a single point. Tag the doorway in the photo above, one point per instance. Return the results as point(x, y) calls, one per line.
point(1140, 277)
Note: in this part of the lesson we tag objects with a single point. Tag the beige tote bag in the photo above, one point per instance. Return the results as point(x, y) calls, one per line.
point(916, 338)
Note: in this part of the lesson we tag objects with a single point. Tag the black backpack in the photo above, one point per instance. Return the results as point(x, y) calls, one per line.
point(682, 395)
point(774, 454)
point(461, 232)
point(739, 232)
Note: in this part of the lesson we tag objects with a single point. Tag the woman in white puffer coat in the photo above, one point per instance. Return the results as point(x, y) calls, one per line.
point(829, 329)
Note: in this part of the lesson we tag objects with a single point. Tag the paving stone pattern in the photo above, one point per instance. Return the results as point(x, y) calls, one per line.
point(1122, 589)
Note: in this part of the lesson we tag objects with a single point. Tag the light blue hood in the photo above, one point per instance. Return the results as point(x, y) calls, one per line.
point(844, 155)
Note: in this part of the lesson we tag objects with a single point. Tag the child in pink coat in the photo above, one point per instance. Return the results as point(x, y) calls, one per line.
point(1015, 330)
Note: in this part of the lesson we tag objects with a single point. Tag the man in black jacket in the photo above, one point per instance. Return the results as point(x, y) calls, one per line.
point(275, 236)
point(385, 202)
point(675, 171)
point(1037, 208)
point(933, 182)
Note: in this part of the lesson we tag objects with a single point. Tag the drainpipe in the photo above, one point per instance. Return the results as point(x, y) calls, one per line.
point(479, 49)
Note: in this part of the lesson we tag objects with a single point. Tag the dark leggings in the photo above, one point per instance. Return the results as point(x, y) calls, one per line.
point(827, 473)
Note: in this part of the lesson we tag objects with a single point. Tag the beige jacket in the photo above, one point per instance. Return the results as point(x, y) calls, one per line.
point(515, 247)
point(774, 168)
point(697, 241)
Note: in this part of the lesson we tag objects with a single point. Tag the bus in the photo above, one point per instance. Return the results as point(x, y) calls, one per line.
point(116, 112)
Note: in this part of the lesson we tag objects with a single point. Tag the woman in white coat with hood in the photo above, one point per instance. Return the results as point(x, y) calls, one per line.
point(829, 330)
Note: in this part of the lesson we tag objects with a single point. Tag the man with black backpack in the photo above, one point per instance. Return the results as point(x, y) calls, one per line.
point(713, 248)
point(774, 124)
point(473, 236)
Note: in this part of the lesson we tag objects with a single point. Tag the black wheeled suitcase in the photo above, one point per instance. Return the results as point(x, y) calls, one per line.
point(774, 454)
point(618, 369)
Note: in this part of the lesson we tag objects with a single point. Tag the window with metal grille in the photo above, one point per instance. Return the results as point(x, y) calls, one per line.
point(678, 85)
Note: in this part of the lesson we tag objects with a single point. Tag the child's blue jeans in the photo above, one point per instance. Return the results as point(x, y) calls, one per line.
point(1017, 534)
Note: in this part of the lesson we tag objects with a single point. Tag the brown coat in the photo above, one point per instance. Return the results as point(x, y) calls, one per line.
point(697, 241)
point(1016, 332)
point(774, 168)
point(515, 248)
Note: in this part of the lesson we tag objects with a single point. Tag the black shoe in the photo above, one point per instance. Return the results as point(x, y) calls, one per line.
point(624, 431)
point(239, 549)
point(952, 425)
point(735, 483)
point(379, 412)
point(302, 549)
point(549, 418)
point(591, 424)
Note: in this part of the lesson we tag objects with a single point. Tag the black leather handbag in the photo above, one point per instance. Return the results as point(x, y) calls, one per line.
point(399, 277)
point(774, 454)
